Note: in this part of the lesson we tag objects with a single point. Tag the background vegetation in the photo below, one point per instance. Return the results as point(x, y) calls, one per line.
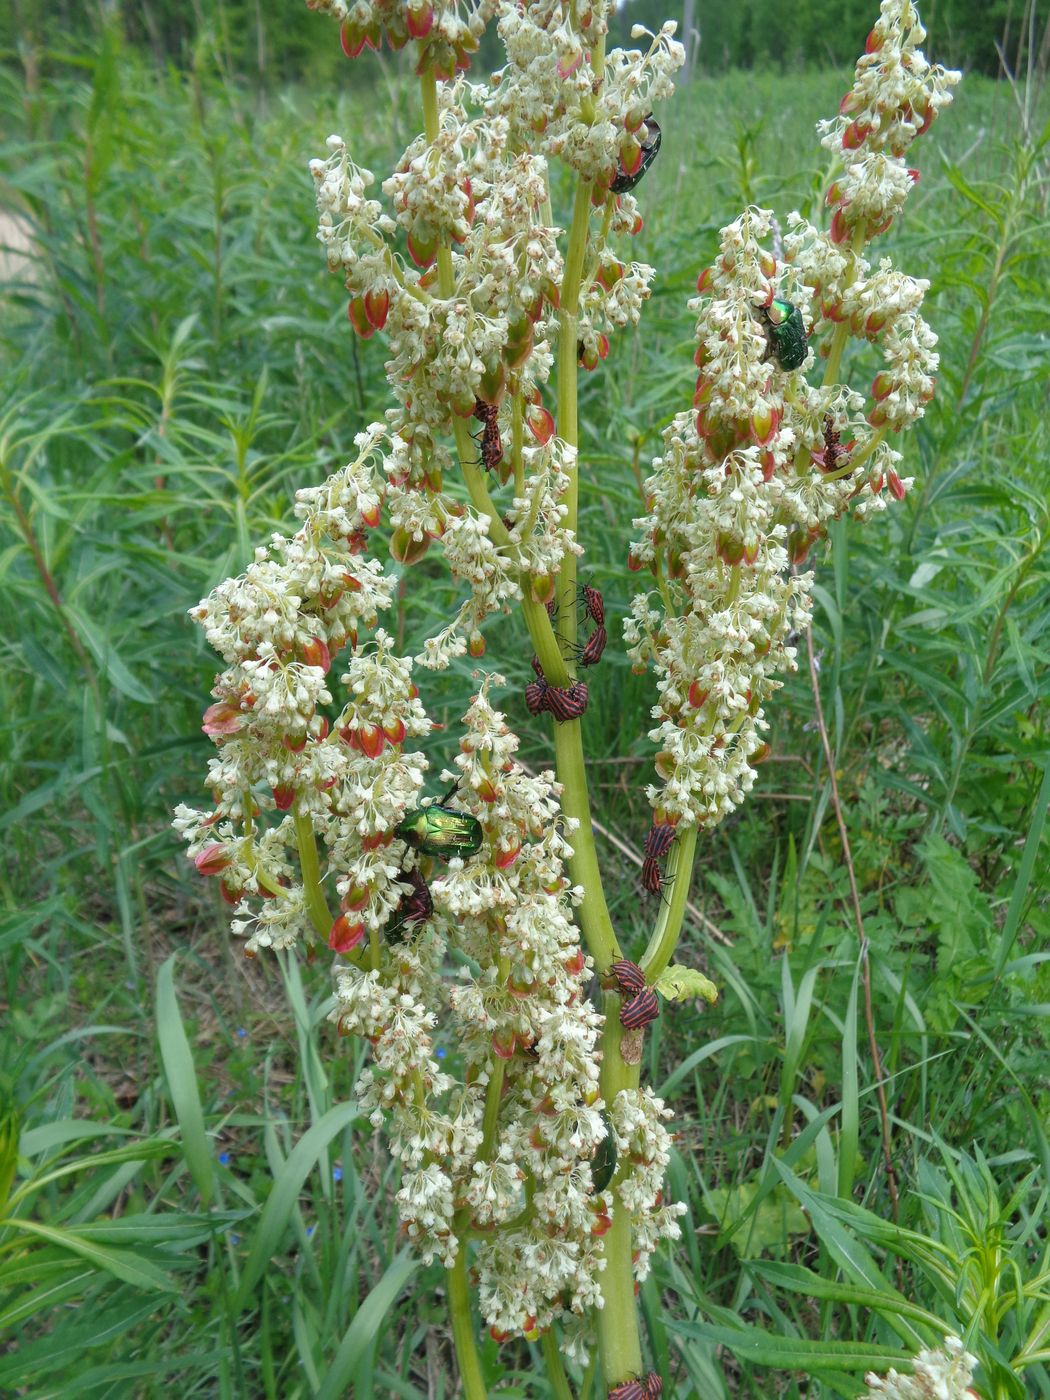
point(191, 1198)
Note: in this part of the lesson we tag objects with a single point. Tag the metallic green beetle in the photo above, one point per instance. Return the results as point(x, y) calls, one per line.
point(786, 333)
point(440, 831)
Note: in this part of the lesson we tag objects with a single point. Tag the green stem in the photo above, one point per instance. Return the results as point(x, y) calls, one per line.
point(669, 924)
point(463, 1328)
point(310, 865)
point(618, 1338)
point(593, 913)
point(555, 1370)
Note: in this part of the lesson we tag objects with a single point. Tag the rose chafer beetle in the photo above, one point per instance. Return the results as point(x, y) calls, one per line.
point(785, 333)
point(441, 831)
point(622, 181)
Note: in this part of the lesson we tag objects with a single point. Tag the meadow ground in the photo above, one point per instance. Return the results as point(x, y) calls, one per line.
point(174, 361)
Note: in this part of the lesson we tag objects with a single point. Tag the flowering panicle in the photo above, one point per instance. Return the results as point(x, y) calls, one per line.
point(939, 1375)
point(751, 478)
point(529, 1195)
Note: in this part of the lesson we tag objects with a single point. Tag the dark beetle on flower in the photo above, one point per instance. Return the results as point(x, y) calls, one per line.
point(624, 182)
point(785, 333)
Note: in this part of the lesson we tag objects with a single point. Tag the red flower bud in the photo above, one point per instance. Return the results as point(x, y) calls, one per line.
point(211, 860)
point(359, 319)
point(351, 38)
point(344, 935)
point(882, 386)
point(422, 250)
point(420, 22)
point(370, 740)
point(221, 719)
point(395, 731)
point(377, 308)
point(540, 423)
point(316, 653)
point(355, 899)
point(407, 550)
point(895, 484)
point(502, 859)
point(283, 797)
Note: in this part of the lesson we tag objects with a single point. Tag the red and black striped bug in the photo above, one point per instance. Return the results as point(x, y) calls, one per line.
point(658, 842)
point(490, 444)
point(642, 1009)
point(629, 1390)
point(567, 702)
point(593, 603)
point(536, 696)
point(654, 1386)
point(629, 977)
point(591, 651)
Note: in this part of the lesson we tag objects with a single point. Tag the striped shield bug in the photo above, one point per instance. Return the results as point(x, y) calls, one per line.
point(629, 1390)
point(629, 977)
point(642, 1009)
point(567, 702)
point(658, 841)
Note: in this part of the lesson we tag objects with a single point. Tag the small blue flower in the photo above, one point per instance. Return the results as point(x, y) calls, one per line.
point(441, 1052)
point(241, 1033)
point(337, 1173)
point(309, 1230)
point(224, 1158)
point(235, 1239)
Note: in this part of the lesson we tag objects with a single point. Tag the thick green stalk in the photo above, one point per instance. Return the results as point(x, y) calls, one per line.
point(618, 1338)
point(555, 1370)
point(669, 923)
point(310, 865)
point(463, 1327)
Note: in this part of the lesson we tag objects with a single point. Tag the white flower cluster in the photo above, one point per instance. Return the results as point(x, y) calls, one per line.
point(551, 95)
point(279, 626)
point(448, 31)
point(637, 1117)
point(895, 96)
point(517, 1011)
point(939, 1375)
point(750, 480)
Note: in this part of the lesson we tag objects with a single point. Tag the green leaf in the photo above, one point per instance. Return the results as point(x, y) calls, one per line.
point(365, 1328)
point(761, 1348)
point(109, 659)
point(276, 1214)
point(121, 1264)
point(179, 1071)
point(679, 983)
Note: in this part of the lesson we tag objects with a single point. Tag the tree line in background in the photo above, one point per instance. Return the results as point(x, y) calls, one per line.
point(278, 41)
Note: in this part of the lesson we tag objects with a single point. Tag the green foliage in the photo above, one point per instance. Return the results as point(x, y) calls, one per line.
point(174, 362)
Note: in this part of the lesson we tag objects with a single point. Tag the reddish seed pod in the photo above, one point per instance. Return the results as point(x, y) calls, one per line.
point(640, 1011)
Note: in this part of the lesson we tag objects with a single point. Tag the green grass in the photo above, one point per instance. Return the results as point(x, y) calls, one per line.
point(196, 1202)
